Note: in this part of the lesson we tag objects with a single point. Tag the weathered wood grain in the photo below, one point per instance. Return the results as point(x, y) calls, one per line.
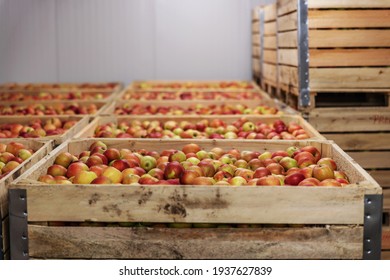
point(154, 243)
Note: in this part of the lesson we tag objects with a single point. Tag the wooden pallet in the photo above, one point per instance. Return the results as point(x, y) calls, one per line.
point(331, 229)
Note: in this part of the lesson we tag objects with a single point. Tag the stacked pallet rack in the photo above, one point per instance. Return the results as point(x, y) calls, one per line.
point(264, 48)
point(333, 60)
point(41, 132)
point(141, 221)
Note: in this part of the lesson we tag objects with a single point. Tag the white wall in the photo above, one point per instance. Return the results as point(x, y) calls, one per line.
point(124, 40)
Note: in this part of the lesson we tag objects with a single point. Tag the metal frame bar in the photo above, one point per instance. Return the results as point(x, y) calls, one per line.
point(372, 237)
point(18, 224)
point(303, 54)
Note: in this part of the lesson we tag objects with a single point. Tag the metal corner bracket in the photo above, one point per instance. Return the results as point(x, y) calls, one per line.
point(18, 224)
point(372, 237)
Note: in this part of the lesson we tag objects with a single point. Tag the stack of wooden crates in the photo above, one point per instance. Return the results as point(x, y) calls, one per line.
point(333, 61)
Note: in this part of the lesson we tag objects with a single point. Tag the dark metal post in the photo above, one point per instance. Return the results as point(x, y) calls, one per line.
point(372, 237)
point(1, 241)
point(18, 224)
point(303, 53)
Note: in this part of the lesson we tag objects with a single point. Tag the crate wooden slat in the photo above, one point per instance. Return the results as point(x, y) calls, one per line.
point(195, 204)
point(88, 131)
point(81, 122)
point(385, 255)
point(166, 243)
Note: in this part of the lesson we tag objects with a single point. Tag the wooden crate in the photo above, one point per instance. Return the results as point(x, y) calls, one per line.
point(235, 85)
point(265, 49)
point(111, 86)
point(185, 104)
point(364, 133)
point(56, 95)
point(41, 150)
point(101, 106)
point(81, 122)
point(348, 49)
point(332, 218)
point(89, 131)
point(194, 95)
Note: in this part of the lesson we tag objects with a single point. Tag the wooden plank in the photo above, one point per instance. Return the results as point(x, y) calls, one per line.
point(348, 57)
point(386, 238)
point(287, 6)
point(270, 56)
point(255, 14)
point(288, 75)
point(288, 22)
point(349, 18)
point(270, 72)
point(349, 38)
point(372, 159)
point(385, 255)
point(386, 197)
point(383, 179)
point(255, 27)
point(350, 119)
point(326, 78)
point(329, 4)
point(41, 149)
point(270, 42)
point(360, 141)
point(270, 28)
point(256, 39)
point(256, 65)
point(288, 39)
point(255, 51)
point(288, 57)
point(222, 243)
point(196, 204)
point(270, 12)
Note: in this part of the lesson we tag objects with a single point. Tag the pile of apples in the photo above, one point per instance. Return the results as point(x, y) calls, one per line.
point(46, 95)
point(196, 85)
point(193, 165)
point(41, 109)
point(36, 128)
point(191, 95)
point(11, 156)
point(242, 128)
point(195, 109)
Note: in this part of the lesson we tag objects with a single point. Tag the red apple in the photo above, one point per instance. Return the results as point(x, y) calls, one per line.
point(330, 182)
point(56, 170)
point(294, 179)
point(270, 180)
point(75, 168)
point(113, 174)
point(329, 162)
point(261, 172)
point(203, 181)
point(84, 177)
point(173, 170)
point(323, 172)
point(309, 182)
point(275, 168)
point(188, 176)
point(101, 180)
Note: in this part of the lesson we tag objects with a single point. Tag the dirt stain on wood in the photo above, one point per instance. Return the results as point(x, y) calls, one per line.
point(112, 208)
point(145, 197)
point(94, 198)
